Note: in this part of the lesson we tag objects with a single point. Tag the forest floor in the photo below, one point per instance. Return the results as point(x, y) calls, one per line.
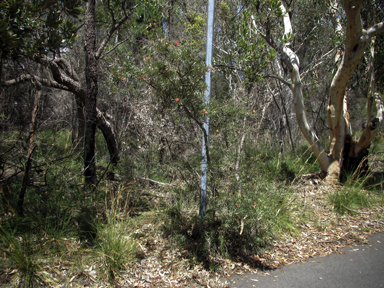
point(326, 234)
point(164, 265)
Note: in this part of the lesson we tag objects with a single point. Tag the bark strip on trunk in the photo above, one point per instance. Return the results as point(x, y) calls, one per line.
point(238, 157)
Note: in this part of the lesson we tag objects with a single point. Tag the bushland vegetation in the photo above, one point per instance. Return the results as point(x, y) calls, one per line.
point(62, 223)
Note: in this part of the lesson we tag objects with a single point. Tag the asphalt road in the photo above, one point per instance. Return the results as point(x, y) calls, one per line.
point(360, 266)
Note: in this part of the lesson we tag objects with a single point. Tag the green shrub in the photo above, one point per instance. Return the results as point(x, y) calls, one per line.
point(347, 199)
point(117, 246)
point(236, 227)
point(20, 253)
point(114, 234)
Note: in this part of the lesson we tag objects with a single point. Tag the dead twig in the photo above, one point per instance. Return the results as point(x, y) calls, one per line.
point(155, 182)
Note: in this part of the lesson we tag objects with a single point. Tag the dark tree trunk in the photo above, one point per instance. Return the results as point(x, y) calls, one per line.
point(80, 122)
point(74, 123)
point(162, 150)
point(28, 164)
point(109, 137)
point(91, 95)
point(353, 164)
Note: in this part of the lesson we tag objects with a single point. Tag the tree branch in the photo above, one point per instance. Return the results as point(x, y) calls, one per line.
point(292, 62)
point(112, 49)
point(64, 64)
point(278, 78)
point(317, 62)
point(284, 55)
point(30, 78)
point(373, 121)
point(229, 67)
point(375, 29)
point(59, 75)
point(111, 12)
point(114, 27)
point(200, 124)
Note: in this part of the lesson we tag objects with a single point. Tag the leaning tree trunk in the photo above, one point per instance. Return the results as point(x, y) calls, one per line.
point(31, 144)
point(91, 96)
point(65, 78)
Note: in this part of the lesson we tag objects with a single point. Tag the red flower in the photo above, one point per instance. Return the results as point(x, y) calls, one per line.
point(177, 99)
point(254, 203)
point(176, 44)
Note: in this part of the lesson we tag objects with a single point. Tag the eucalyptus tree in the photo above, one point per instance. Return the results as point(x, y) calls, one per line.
point(346, 154)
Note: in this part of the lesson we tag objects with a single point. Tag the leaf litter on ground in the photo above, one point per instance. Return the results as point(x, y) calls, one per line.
point(162, 264)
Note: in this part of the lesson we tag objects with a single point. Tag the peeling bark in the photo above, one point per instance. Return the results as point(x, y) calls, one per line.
point(238, 157)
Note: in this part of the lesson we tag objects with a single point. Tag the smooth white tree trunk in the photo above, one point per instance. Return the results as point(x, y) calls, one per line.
point(357, 42)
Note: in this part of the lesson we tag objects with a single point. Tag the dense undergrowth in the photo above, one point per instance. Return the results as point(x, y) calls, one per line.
point(67, 222)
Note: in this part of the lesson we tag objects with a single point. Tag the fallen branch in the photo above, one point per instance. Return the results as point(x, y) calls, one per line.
point(155, 182)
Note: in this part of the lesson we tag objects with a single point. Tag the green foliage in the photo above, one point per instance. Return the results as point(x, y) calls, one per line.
point(235, 227)
point(115, 234)
point(347, 199)
point(37, 26)
point(352, 195)
point(20, 253)
point(156, 77)
point(58, 211)
point(117, 246)
point(175, 70)
point(362, 189)
point(249, 55)
point(275, 165)
point(54, 178)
